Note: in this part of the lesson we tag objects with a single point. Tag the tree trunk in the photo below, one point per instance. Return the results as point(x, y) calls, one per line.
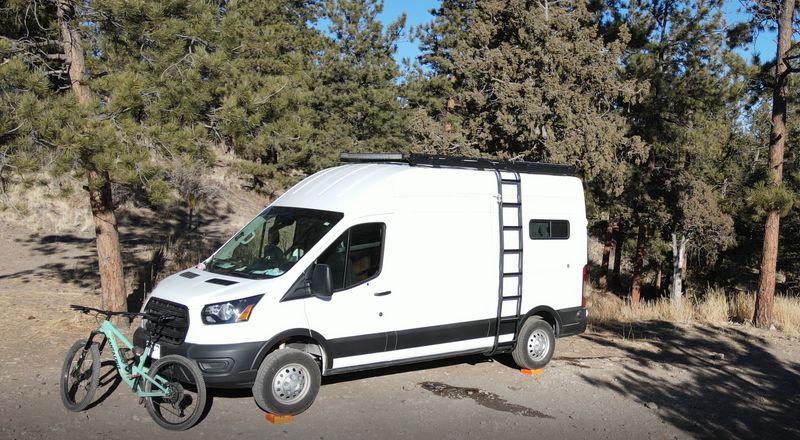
point(678, 265)
point(769, 256)
point(73, 52)
point(638, 264)
point(603, 282)
point(109, 256)
point(617, 256)
point(659, 275)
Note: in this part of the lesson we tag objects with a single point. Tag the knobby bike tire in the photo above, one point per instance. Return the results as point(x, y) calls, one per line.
point(86, 376)
point(187, 400)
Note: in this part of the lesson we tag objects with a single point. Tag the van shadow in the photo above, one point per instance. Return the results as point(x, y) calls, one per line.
point(380, 372)
point(726, 385)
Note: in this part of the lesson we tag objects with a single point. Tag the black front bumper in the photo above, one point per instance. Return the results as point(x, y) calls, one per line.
point(223, 366)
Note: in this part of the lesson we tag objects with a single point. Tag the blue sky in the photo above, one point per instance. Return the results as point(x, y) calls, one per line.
point(418, 12)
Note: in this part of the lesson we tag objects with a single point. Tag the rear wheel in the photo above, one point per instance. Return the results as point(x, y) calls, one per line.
point(183, 405)
point(536, 343)
point(287, 382)
point(80, 376)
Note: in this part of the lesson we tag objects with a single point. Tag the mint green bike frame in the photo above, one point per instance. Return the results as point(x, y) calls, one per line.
point(138, 372)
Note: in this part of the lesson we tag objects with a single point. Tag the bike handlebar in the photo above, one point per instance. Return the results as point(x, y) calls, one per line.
point(108, 313)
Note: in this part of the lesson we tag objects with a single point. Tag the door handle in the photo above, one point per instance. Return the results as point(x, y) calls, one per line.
point(382, 293)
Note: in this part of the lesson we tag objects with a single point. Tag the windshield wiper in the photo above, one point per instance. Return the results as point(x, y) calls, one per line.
point(243, 274)
point(215, 268)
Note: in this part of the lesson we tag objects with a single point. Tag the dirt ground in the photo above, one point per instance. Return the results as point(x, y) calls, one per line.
point(655, 380)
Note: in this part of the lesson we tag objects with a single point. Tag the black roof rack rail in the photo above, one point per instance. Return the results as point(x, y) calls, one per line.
point(372, 157)
point(440, 161)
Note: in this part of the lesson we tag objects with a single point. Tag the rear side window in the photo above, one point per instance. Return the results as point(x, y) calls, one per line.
point(355, 257)
point(549, 229)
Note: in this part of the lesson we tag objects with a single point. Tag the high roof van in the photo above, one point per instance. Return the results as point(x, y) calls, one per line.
point(389, 260)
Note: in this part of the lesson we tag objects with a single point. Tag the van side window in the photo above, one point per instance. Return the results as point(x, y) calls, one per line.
point(355, 257)
point(549, 229)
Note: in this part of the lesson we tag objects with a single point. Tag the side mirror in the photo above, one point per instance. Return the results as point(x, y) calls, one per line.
point(322, 281)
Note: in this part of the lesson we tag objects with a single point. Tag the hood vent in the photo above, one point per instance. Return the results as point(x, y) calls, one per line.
point(190, 275)
point(220, 281)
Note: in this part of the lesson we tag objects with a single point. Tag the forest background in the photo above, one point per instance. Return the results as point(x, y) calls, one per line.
point(688, 150)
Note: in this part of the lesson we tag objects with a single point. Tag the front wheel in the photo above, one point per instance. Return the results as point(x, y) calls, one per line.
point(287, 382)
point(185, 397)
point(536, 343)
point(80, 376)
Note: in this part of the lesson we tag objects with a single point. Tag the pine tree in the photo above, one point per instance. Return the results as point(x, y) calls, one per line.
point(263, 73)
point(773, 194)
point(123, 89)
point(687, 119)
point(357, 96)
point(534, 81)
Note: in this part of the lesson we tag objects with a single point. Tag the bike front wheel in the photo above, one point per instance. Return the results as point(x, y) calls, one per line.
point(185, 397)
point(80, 376)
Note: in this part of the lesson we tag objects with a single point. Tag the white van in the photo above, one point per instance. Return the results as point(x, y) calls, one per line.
point(392, 260)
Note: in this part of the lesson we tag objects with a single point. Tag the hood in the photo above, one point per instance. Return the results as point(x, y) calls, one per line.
point(196, 288)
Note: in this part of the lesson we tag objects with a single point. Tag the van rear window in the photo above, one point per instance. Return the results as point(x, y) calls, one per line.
point(549, 229)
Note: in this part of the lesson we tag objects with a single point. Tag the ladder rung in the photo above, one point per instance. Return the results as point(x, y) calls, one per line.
point(512, 228)
point(513, 297)
point(510, 180)
point(509, 318)
point(512, 251)
point(512, 274)
point(511, 204)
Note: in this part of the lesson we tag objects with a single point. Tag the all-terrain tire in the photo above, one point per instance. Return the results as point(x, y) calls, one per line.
point(287, 382)
point(536, 343)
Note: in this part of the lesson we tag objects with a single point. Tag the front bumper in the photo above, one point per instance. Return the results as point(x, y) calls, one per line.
point(223, 365)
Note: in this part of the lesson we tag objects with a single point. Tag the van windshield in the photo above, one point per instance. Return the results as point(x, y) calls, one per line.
point(272, 242)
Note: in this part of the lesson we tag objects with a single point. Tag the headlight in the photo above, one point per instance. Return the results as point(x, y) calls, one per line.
point(230, 311)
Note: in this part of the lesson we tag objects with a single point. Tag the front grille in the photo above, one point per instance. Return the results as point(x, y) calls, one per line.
point(174, 331)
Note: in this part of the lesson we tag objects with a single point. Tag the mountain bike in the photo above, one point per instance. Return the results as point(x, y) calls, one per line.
point(171, 387)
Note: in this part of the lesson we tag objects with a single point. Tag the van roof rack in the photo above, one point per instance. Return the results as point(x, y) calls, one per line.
point(440, 161)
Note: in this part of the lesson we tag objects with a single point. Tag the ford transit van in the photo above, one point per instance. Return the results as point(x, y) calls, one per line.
point(385, 261)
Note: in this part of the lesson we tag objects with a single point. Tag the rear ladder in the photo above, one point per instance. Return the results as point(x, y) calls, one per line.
point(509, 298)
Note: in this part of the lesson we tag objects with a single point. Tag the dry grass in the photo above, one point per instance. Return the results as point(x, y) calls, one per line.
point(51, 206)
point(787, 315)
point(715, 307)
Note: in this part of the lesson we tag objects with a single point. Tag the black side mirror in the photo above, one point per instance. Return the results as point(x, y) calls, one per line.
point(322, 281)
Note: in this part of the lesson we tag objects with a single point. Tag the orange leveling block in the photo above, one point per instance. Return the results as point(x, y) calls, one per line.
point(535, 372)
point(278, 420)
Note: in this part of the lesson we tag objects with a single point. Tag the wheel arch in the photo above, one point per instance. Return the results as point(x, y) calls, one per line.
point(548, 314)
point(296, 338)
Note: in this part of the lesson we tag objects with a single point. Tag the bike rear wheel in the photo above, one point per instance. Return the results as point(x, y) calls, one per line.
point(182, 407)
point(80, 376)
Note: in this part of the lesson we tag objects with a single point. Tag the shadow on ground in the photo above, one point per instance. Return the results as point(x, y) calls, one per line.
point(728, 384)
